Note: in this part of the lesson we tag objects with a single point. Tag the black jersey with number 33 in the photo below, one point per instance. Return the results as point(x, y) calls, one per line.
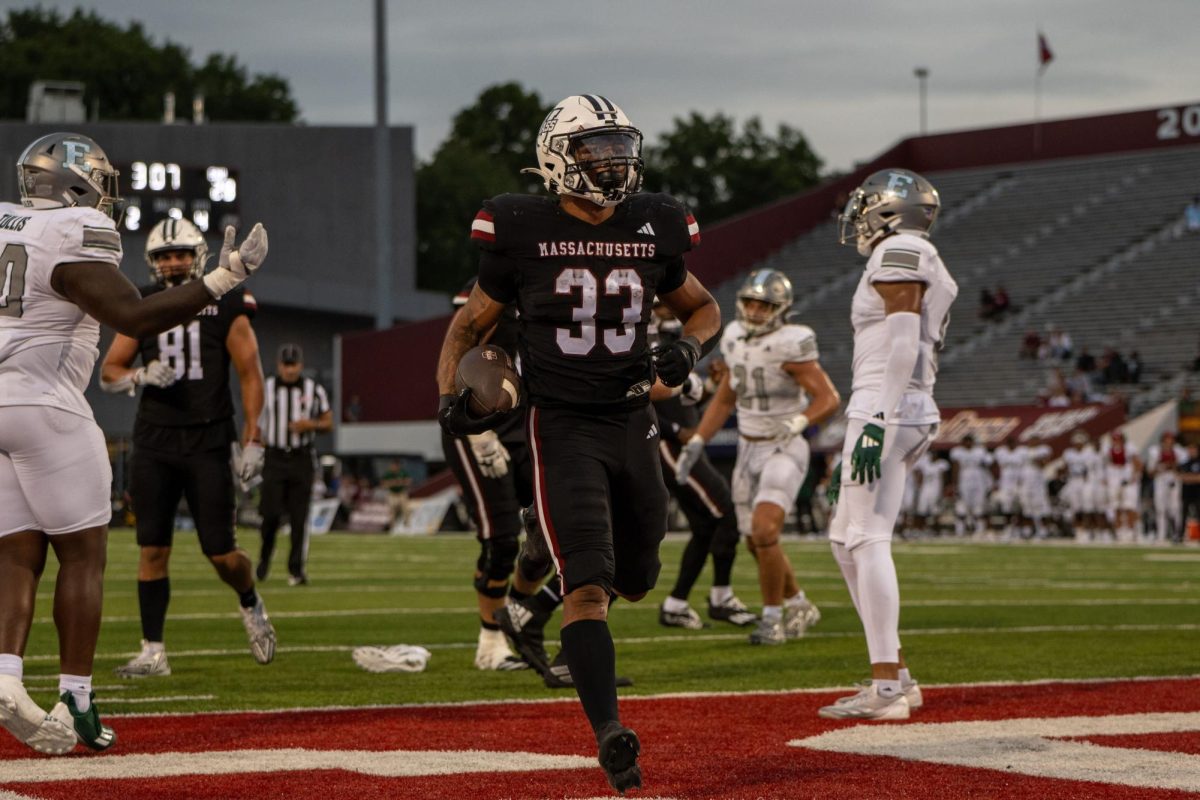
point(196, 350)
point(584, 292)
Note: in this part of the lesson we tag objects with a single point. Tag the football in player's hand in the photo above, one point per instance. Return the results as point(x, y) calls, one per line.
point(489, 373)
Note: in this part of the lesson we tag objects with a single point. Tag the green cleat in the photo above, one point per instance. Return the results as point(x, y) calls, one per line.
point(88, 727)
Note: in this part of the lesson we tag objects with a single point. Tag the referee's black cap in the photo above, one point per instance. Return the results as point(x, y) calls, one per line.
point(291, 353)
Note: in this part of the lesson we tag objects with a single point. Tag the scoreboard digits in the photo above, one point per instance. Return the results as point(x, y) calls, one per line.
point(155, 190)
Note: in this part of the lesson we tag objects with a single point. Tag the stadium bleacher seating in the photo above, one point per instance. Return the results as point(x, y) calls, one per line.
point(1094, 245)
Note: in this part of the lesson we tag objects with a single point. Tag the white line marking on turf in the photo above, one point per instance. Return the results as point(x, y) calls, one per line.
point(177, 698)
point(1031, 747)
point(690, 637)
point(1171, 557)
point(387, 763)
point(628, 608)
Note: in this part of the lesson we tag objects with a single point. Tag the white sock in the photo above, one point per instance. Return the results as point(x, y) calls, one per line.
point(905, 676)
point(795, 600)
point(487, 637)
point(152, 647)
point(12, 665)
point(80, 687)
point(887, 688)
point(772, 613)
point(717, 595)
point(674, 605)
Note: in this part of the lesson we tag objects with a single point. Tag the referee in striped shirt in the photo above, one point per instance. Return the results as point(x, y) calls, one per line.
point(295, 410)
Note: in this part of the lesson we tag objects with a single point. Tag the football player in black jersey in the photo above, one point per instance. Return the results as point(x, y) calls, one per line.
point(182, 439)
point(704, 498)
point(583, 271)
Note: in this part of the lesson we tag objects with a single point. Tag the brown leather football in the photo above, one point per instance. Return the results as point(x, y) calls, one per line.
point(490, 375)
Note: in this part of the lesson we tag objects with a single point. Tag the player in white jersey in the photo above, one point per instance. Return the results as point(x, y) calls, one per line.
point(59, 278)
point(1123, 475)
point(900, 311)
point(779, 389)
point(1009, 459)
point(1163, 461)
point(1033, 494)
point(929, 494)
point(1084, 488)
point(972, 479)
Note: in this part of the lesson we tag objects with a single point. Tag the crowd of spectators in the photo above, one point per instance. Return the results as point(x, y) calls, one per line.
point(1091, 380)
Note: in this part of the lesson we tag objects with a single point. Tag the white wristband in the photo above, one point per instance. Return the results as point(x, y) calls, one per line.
point(221, 281)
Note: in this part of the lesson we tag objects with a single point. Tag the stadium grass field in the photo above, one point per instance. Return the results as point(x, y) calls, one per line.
point(972, 612)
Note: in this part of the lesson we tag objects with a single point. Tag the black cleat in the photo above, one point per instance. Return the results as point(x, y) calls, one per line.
point(619, 748)
point(525, 628)
point(558, 675)
point(733, 611)
point(262, 569)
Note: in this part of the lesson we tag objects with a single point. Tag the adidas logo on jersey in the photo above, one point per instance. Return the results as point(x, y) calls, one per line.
point(646, 229)
point(653, 431)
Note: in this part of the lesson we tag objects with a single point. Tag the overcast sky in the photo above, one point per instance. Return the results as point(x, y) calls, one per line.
point(842, 72)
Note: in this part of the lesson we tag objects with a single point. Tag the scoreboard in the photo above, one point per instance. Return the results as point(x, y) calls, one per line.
point(152, 191)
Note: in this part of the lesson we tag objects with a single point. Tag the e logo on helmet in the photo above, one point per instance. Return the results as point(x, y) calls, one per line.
point(75, 154)
point(898, 183)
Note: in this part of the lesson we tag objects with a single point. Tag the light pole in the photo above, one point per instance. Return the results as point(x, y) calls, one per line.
point(922, 73)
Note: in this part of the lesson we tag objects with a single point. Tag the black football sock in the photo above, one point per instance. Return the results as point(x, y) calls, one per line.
point(722, 570)
point(517, 594)
point(153, 599)
point(690, 566)
point(547, 599)
point(248, 598)
point(488, 626)
point(593, 662)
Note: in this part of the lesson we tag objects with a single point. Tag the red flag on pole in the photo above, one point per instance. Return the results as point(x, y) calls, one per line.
point(1045, 56)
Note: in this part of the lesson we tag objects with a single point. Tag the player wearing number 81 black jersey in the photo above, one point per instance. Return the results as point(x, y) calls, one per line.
point(583, 272)
point(182, 437)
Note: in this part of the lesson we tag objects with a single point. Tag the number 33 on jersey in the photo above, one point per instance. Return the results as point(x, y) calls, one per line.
point(583, 292)
point(198, 354)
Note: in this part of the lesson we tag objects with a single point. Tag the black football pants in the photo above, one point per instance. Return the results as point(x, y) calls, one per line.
point(287, 488)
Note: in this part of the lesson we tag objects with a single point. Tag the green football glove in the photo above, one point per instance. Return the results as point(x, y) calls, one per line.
point(835, 485)
point(867, 458)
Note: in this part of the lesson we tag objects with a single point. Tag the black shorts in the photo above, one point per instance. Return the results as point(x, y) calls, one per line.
point(494, 503)
point(159, 479)
point(600, 495)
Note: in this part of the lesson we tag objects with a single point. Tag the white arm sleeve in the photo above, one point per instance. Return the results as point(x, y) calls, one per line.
point(904, 329)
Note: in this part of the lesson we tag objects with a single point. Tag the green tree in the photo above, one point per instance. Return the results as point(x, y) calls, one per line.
point(126, 74)
point(489, 143)
point(720, 171)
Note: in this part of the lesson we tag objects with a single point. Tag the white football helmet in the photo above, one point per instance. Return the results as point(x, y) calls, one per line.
point(768, 286)
point(887, 201)
point(176, 234)
point(62, 170)
point(588, 148)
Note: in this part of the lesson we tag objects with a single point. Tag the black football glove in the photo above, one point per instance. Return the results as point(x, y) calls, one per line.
point(457, 420)
point(674, 362)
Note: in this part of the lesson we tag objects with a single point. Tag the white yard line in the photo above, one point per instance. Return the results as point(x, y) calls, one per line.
point(688, 637)
point(650, 607)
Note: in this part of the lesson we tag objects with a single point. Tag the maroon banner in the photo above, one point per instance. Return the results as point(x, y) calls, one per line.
point(992, 425)
point(1029, 424)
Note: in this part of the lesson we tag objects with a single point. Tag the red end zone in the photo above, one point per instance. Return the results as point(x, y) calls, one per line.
point(1094, 740)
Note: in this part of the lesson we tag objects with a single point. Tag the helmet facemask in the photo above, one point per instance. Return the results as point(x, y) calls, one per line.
point(64, 170)
point(176, 235)
point(766, 286)
point(588, 149)
point(887, 201)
